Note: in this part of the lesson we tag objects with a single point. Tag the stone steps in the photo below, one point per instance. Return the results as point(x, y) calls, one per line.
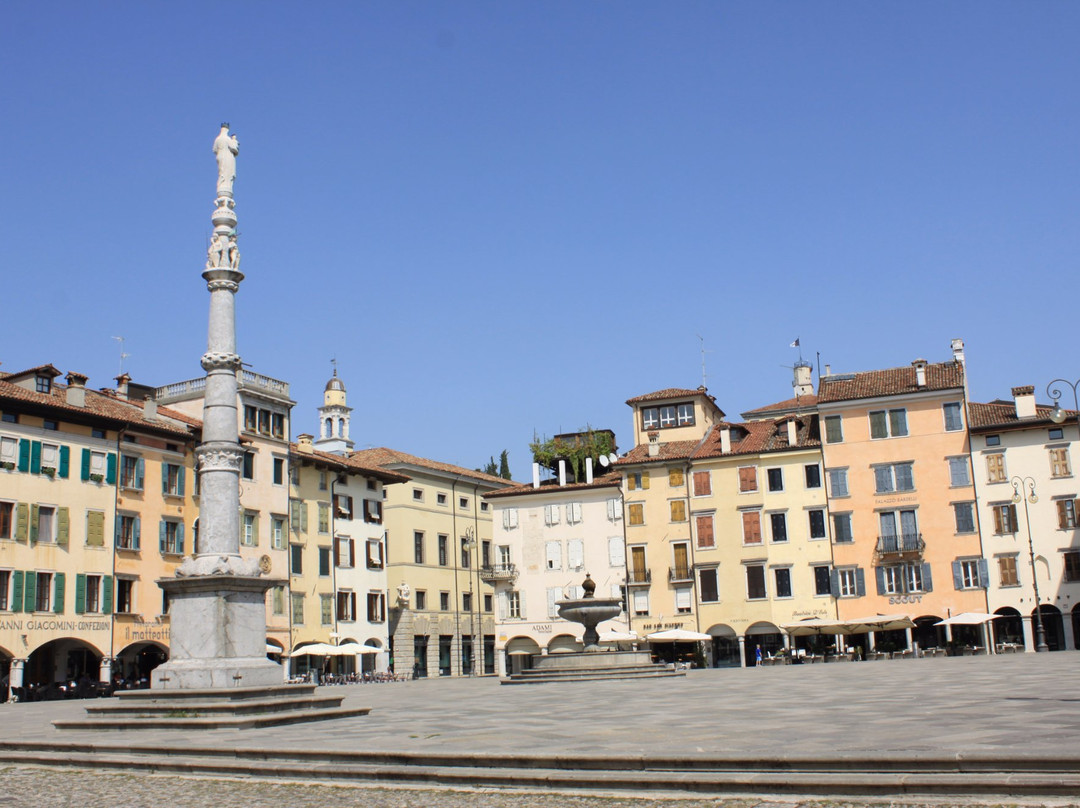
point(533, 677)
point(849, 776)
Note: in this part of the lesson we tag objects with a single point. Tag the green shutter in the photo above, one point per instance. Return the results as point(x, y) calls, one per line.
point(22, 522)
point(110, 469)
point(84, 473)
point(24, 455)
point(180, 538)
point(164, 478)
point(33, 524)
point(140, 473)
point(180, 481)
point(30, 591)
point(58, 594)
point(161, 536)
point(106, 594)
point(63, 526)
point(80, 593)
point(303, 517)
point(17, 591)
point(35, 457)
point(136, 532)
point(65, 462)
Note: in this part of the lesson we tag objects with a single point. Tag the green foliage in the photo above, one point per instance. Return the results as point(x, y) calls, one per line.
point(504, 465)
point(490, 468)
point(587, 443)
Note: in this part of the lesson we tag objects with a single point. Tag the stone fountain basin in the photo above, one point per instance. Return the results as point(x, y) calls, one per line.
point(589, 611)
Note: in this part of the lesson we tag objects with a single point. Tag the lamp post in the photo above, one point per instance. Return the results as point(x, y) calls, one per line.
point(1029, 495)
point(1058, 415)
point(471, 544)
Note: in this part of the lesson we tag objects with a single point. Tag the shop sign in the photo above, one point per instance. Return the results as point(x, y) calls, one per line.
point(897, 599)
point(661, 626)
point(56, 625)
point(137, 632)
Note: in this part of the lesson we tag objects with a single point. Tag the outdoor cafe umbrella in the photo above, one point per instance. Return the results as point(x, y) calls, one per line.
point(356, 648)
point(813, 627)
point(968, 619)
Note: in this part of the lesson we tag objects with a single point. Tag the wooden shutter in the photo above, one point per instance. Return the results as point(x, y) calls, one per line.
point(180, 537)
point(751, 527)
point(678, 511)
point(575, 550)
point(927, 580)
point(136, 533)
point(860, 582)
point(58, 593)
point(879, 574)
point(180, 481)
point(110, 469)
point(17, 590)
point(34, 512)
point(748, 478)
point(84, 470)
point(22, 522)
point(30, 592)
point(35, 457)
point(24, 454)
point(140, 473)
point(616, 551)
point(645, 479)
point(95, 529)
point(162, 528)
point(63, 526)
point(957, 575)
point(702, 483)
point(106, 594)
point(675, 477)
point(705, 535)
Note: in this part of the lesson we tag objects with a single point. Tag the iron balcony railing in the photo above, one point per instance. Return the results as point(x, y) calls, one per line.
point(680, 574)
point(492, 573)
point(634, 576)
point(900, 543)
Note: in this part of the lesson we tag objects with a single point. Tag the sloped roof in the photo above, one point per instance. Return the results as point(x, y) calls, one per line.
point(611, 479)
point(890, 382)
point(672, 450)
point(762, 437)
point(807, 402)
point(1002, 414)
point(670, 392)
point(348, 463)
point(384, 457)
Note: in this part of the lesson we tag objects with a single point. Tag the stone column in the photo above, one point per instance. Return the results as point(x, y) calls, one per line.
point(742, 650)
point(1029, 632)
point(15, 675)
point(105, 670)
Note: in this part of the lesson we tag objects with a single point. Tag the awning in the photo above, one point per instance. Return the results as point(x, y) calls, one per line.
point(969, 619)
point(273, 649)
point(677, 635)
point(813, 627)
point(356, 648)
point(861, 625)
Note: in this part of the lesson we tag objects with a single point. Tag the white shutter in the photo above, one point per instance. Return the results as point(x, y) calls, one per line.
point(506, 518)
point(575, 551)
point(616, 591)
point(501, 597)
point(573, 512)
point(616, 552)
point(551, 514)
point(553, 594)
point(641, 601)
point(513, 517)
point(554, 555)
point(614, 509)
point(682, 598)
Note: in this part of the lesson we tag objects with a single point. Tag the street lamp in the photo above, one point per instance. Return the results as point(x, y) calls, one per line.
point(477, 641)
point(1028, 484)
point(1058, 415)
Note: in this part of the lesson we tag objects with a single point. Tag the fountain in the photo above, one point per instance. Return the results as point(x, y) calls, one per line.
point(593, 662)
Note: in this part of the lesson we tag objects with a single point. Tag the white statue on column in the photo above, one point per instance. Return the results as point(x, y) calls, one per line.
point(226, 147)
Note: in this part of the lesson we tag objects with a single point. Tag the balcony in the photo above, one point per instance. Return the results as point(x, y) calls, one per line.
point(900, 544)
point(680, 574)
point(498, 573)
point(634, 576)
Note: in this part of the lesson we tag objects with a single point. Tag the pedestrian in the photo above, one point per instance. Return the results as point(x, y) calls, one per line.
point(757, 655)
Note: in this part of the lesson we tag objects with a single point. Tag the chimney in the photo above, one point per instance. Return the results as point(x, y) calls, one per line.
point(1025, 401)
point(588, 470)
point(725, 439)
point(150, 409)
point(802, 382)
point(536, 475)
point(562, 472)
point(828, 370)
point(76, 389)
point(304, 443)
point(654, 444)
point(792, 432)
point(957, 346)
point(920, 372)
point(122, 385)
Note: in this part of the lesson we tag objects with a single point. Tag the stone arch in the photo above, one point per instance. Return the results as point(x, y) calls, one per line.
point(1053, 626)
point(564, 644)
point(135, 661)
point(60, 662)
point(765, 635)
point(723, 651)
point(1009, 628)
point(927, 633)
point(519, 652)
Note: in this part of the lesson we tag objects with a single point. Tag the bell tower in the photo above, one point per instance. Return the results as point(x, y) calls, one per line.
point(334, 418)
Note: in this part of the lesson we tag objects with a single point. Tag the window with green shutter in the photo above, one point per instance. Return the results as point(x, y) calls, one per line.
point(65, 462)
point(22, 522)
point(17, 590)
point(35, 457)
point(30, 591)
point(80, 593)
point(58, 593)
point(106, 594)
point(63, 526)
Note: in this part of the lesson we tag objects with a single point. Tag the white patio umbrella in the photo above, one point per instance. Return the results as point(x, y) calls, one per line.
point(357, 648)
point(968, 619)
point(677, 635)
point(314, 649)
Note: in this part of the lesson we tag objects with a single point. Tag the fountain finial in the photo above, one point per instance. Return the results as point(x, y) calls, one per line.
point(589, 585)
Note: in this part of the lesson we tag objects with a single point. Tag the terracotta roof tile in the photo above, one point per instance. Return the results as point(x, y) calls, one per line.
point(800, 402)
point(673, 450)
point(762, 437)
point(350, 463)
point(382, 456)
point(999, 414)
point(890, 382)
point(660, 395)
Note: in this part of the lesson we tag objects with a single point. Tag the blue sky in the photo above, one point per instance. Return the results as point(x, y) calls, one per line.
point(505, 217)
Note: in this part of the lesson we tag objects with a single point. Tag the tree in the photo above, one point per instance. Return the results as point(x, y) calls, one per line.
point(504, 465)
point(491, 468)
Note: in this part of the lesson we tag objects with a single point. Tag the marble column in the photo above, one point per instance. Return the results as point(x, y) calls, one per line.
point(15, 675)
point(742, 650)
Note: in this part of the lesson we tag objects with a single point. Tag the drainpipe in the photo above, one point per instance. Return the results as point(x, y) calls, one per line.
point(626, 565)
point(116, 522)
point(478, 636)
point(690, 534)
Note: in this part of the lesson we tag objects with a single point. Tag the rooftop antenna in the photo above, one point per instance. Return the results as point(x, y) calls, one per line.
point(123, 355)
point(704, 378)
point(333, 361)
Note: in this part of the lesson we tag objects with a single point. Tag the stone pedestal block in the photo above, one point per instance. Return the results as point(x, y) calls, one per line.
point(218, 634)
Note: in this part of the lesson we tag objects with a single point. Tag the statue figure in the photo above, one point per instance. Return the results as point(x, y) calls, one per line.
point(226, 147)
point(403, 592)
point(218, 253)
point(234, 253)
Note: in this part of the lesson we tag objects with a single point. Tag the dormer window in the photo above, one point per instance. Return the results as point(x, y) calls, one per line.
point(650, 418)
point(686, 414)
point(43, 384)
point(666, 416)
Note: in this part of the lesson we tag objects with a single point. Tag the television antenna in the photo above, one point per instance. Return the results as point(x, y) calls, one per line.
point(123, 355)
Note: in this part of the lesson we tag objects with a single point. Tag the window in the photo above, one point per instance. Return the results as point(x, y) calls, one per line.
point(345, 552)
point(172, 479)
point(993, 440)
point(751, 527)
point(326, 609)
point(776, 479)
point(418, 547)
point(374, 553)
point(637, 481)
point(443, 543)
point(817, 523)
point(778, 525)
point(125, 595)
point(250, 532)
point(484, 506)
point(614, 509)
point(488, 602)
point(683, 600)
point(575, 555)
point(417, 495)
point(838, 485)
point(298, 608)
point(1056, 434)
point(13, 418)
point(510, 518)
point(277, 425)
point(7, 510)
point(970, 573)
point(346, 606)
point(279, 471)
point(296, 559)
point(888, 423)
point(685, 414)
point(708, 585)
point(812, 475)
point(376, 607)
point(638, 572)
point(822, 581)
point(324, 562)
point(172, 537)
point(127, 534)
point(1072, 565)
point(324, 517)
point(440, 499)
point(553, 555)
point(675, 478)
point(954, 421)
point(573, 513)
point(463, 503)
point(1066, 509)
point(45, 526)
point(702, 484)
point(747, 478)
point(277, 599)
point(850, 583)
point(1059, 462)
point(466, 601)
point(958, 471)
point(551, 514)
point(842, 533)
point(324, 481)
point(372, 509)
point(251, 418)
point(248, 470)
point(650, 418)
point(755, 582)
point(782, 579)
point(636, 513)
point(965, 517)
point(131, 472)
point(277, 533)
point(894, 477)
point(678, 510)
point(706, 538)
point(995, 467)
point(834, 429)
point(641, 602)
point(9, 452)
point(513, 604)
point(1007, 570)
point(1004, 518)
point(421, 600)
point(466, 555)
point(88, 601)
point(899, 531)
point(42, 384)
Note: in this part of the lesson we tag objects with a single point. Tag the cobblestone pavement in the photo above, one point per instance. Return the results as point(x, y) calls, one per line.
point(34, 788)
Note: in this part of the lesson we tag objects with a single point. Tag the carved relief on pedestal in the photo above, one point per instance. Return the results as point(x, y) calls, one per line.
point(213, 360)
point(219, 458)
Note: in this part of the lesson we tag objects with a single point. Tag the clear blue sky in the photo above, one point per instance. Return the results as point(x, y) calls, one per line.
point(505, 217)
